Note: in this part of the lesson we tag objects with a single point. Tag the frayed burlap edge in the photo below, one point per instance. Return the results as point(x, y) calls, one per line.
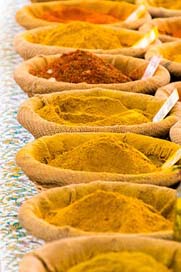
point(48, 176)
point(175, 133)
point(128, 65)
point(38, 126)
point(28, 49)
point(173, 67)
point(25, 18)
point(31, 212)
point(69, 252)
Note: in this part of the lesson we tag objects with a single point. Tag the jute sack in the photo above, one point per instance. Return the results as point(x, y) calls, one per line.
point(132, 67)
point(175, 133)
point(160, 8)
point(167, 51)
point(168, 28)
point(32, 212)
point(28, 43)
point(30, 16)
point(34, 156)
point(64, 254)
point(165, 91)
point(38, 126)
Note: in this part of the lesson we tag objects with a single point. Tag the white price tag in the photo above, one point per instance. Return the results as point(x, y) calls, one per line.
point(167, 106)
point(152, 67)
point(174, 158)
point(135, 15)
point(150, 37)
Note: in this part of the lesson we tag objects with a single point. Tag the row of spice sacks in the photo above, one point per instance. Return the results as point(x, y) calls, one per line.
point(103, 84)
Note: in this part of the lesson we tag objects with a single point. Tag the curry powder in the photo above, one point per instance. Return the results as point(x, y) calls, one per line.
point(104, 211)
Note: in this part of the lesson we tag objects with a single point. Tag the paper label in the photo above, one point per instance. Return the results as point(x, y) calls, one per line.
point(135, 15)
point(150, 37)
point(167, 106)
point(173, 160)
point(152, 67)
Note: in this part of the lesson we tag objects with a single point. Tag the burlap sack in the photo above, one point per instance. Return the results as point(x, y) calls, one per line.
point(157, 11)
point(175, 133)
point(168, 28)
point(165, 50)
point(64, 254)
point(28, 49)
point(32, 212)
point(34, 123)
point(165, 91)
point(32, 159)
point(27, 16)
point(130, 66)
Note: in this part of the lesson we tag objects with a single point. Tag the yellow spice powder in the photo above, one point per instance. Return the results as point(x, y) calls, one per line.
point(79, 35)
point(120, 261)
point(92, 111)
point(115, 157)
point(103, 211)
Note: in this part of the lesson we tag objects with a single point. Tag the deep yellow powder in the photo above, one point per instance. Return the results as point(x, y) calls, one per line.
point(120, 262)
point(115, 157)
point(103, 211)
point(92, 111)
point(176, 58)
point(80, 35)
point(169, 4)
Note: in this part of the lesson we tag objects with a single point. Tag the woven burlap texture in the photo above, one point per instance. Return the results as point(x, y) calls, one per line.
point(159, 11)
point(33, 156)
point(166, 28)
point(163, 50)
point(31, 213)
point(165, 91)
point(130, 66)
point(27, 16)
point(67, 253)
point(38, 126)
point(28, 49)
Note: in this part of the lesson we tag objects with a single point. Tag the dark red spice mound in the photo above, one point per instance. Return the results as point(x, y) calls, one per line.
point(82, 66)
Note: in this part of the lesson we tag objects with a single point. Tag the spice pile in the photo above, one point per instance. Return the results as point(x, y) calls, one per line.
point(80, 35)
point(115, 157)
point(91, 110)
point(68, 14)
point(121, 261)
point(82, 66)
point(103, 211)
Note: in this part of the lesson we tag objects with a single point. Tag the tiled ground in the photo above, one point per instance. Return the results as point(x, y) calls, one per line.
point(14, 185)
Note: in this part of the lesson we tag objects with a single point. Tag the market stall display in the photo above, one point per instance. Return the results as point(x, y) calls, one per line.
point(105, 109)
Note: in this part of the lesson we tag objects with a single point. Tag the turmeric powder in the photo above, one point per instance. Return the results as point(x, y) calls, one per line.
point(120, 261)
point(67, 14)
point(104, 211)
point(80, 35)
point(92, 111)
point(176, 58)
point(82, 66)
point(114, 155)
